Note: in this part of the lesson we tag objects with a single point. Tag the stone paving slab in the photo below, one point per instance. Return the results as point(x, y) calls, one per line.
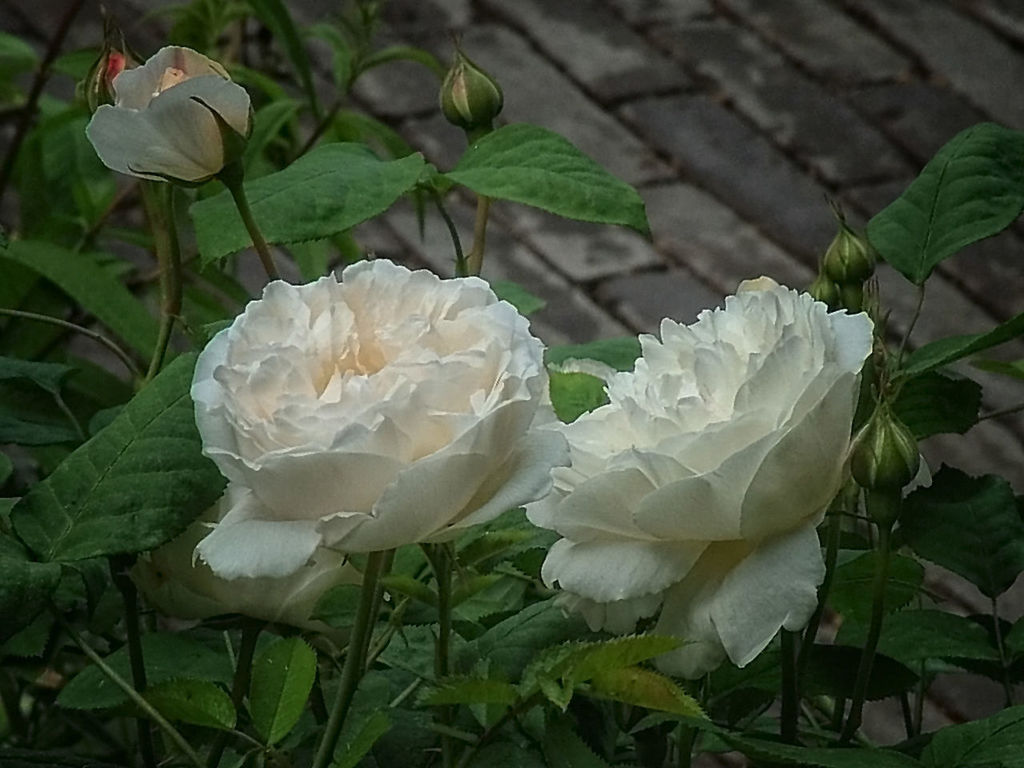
point(794, 110)
point(644, 13)
point(643, 299)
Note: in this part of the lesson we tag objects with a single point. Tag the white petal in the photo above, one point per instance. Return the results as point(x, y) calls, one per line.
point(618, 617)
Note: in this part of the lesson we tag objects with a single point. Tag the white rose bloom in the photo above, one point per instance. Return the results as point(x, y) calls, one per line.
point(161, 125)
point(390, 408)
point(698, 487)
point(177, 585)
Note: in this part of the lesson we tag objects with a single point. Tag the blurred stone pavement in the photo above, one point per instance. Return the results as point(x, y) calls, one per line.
point(735, 119)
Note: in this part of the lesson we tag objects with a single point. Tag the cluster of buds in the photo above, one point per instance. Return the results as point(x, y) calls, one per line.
point(848, 264)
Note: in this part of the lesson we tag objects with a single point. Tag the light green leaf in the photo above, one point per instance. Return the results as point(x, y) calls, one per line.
point(620, 354)
point(644, 688)
point(933, 403)
point(400, 584)
point(851, 590)
point(573, 394)
point(139, 482)
point(356, 747)
point(282, 677)
point(970, 525)
point(96, 290)
point(916, 635)
point(330, 189)
point(518, 297)
point(973, 188)
point(994, 741)
point(168, 657)
point(196, 702)
point(945, 351)
point(532, 165)
point(470, 690)
point(274, 14)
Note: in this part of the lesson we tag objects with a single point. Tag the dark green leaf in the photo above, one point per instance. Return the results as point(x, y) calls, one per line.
point(532, 165)
point(620, 354)
point(512, 643)
point(34, 758)
point(337, 606)
point(573, 394)
point(167, 656)
point(196, 702)
point(6, 468)
point(969, 525)
point(851, 590)
point(506, 754)
point(932, 403)
point(25, 588)
point(787, 754)
point(403, 53)
point(1015, 637)
point(48, 376)
point(354, 748)
point(470, 690)
point(973, 188)
point(312, 258)
point(518, 297)
point(563, 748)
point(282, 677)
point(994, 741)
point(20, 432)
point(267, 124)
point(832, 671)
point(945, 351)
point(330, 189)
point(916, 635)
point(95, 289)
point(274, 15)
point(133, 486)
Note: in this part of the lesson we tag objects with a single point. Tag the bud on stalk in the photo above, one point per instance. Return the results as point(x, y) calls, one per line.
point(885, 459)
point(849, 259)
point(470, 98)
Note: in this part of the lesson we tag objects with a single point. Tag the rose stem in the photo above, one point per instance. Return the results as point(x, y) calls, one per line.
point(475, 259)
point(461, 268)
point(441, 562)
point(119, 571)
point(126, 687)
point(686, 737)
point(28, 111)
point(240, 685)
point(867, 658)
point(159, 204)
point(1001, 647)
point(790, 688)
point(355, 656)
point(123, 356)
point(231, 176)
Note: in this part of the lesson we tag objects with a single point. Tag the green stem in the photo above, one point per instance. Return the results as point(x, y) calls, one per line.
point(790, 688)
point(232, 178)
point(168, 256)
point(475, 259)
point(70, 416)
point(119, 571)
point(355, 657)
point(461, 268)
point(240, 685)
point(440, 560)
point(687, 735)
point(126, 687)
point(833, 534)
point(123, 356)
point(1001, 647)
point(860, 687)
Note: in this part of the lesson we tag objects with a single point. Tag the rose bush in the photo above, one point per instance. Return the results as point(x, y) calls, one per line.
point(177, 585)
point(698, 487)
point(163, 124)
point(389, 408)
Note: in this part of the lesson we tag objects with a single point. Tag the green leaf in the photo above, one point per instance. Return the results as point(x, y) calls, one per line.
point(47, 376)
point(139, 482)
point(916, 635)
point(196, 702)
point(506, 754)
point(312, 258)
point(644, 688)
point(6, 468)
point(35, 758)
point(973, 188)
point(518, 297)
point(1015, 637)
point(563, 748)
point(532, 165)
point(948, 350)
point(20, 432)
point(1015, 369)
point(274, 15)
point(409, 587)
point(620, 354)
point(573, 394)
point(969, 525)
point(512, 643)
point(330, 189)
point(282, 677)
point(95, 289)
point(25, 587)
point(787, 754)
point(994, 741)
point(403, 53)
point(832, 671)
point(168, 657)
point(267, 124)
point(851, 590)
point(470, 690)
point(337, 606)
point(932, 403)
point(355, 748)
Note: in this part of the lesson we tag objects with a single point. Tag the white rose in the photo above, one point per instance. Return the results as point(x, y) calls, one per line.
point(177, 585)
point(390, 408)
point(162, 125)
point(698, 487)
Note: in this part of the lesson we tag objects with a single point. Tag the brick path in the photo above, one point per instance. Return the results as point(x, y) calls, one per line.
point(734, 118)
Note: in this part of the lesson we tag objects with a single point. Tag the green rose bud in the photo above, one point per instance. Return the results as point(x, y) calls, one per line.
point(851, 296)
point(850, 258)
point(885, 455)
point(470, 98)
point(825, 290)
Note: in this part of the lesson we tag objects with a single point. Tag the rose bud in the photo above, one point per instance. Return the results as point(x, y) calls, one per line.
point(178, 117)
point(850, 257)
point(825, 290)
point(885, 455)
point(470, 98)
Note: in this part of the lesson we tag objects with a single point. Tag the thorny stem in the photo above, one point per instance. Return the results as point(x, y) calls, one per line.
point(461, 268)
point(232, 176)
point(239, 686)
point(168, 255)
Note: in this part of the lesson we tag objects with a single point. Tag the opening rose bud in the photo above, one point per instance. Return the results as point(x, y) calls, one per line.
point(390, 408)
point(168, 119)
point(697, 489)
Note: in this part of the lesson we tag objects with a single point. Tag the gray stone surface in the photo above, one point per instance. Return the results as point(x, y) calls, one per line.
point(981, 66)
point(586, 39)
point(721, 153)
point(795, 111)
point(642, 299)
point(645, 12)
point(824, 39)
